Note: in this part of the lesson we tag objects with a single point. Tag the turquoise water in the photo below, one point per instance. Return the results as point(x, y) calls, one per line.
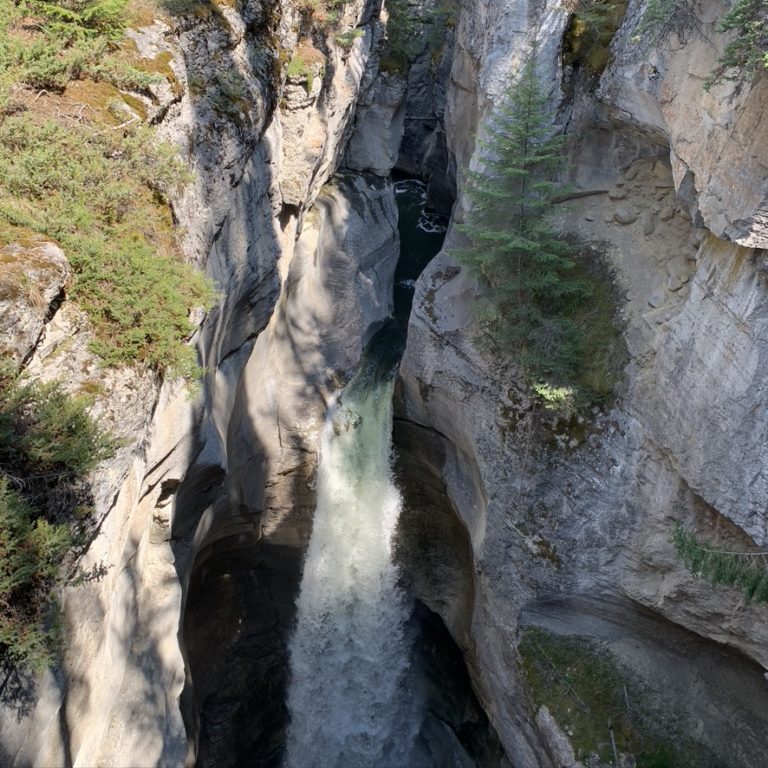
point(421, 238)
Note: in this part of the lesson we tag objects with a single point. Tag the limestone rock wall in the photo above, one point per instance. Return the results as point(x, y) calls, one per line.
point(713, 135)
point(245, 566)
point(115, 700)
point(120, 651)
point(554, 511)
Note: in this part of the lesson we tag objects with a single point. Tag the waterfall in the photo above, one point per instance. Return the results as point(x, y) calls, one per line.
point(349, 656)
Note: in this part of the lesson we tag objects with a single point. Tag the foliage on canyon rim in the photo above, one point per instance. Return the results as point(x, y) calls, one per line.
point(746, 570)
point(78, 167)
point(590, 32)
point(45, 45)
point(48, 442)
point(745, 55)
point(413, 30)
point(543, 306)
point(307, 63)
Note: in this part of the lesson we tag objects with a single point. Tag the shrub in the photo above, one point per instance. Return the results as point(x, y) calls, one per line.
point(746, 570)
point(660, 17)
point(31, 552)
point(347, 39)
point(747, 54)
point(73, 19)
point(48, 441)
point(45, 430)
point(73, 40)
point(744, 57)
point(101, 197)
point(409, 34)
point(307, 61)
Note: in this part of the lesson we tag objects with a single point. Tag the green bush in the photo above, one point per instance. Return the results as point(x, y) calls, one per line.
point(75, 39)
point(746, 55)
point(73, 19)
point(660, 17)
point(45, 430)
point(306, 63)
point(31, 552)
point(347, 39)
point(409, 34)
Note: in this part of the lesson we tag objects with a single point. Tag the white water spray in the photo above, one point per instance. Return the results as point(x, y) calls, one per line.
point(349, 656)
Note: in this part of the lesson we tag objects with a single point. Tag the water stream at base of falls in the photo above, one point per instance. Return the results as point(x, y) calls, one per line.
point(349, 655)
point(350, 701)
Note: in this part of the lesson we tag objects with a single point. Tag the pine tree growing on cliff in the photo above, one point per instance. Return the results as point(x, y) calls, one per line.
point(525, 266)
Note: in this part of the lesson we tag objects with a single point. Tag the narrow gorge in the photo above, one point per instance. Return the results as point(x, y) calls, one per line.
point(369, 535)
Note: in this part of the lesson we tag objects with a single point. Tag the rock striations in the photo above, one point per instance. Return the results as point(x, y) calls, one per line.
point(179, 654)
point(676, 195)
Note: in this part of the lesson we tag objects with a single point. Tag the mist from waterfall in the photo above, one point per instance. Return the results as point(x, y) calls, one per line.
point(348, 702)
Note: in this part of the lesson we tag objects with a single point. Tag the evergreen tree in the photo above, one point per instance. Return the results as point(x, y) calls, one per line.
point(525, 266)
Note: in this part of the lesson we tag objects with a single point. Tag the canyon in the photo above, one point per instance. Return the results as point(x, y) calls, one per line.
point(513, 521)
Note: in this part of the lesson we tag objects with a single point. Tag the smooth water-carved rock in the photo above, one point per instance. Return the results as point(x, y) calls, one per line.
point(375, 142)
point(336, 292)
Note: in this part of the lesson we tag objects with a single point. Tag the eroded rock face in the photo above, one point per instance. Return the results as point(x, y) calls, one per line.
point(555, 511)
point(120, 647)
point(336, 291)
point(335, 295)
point(116, 698)
point(312, 128)
point(375, 142)
point(712, 134)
